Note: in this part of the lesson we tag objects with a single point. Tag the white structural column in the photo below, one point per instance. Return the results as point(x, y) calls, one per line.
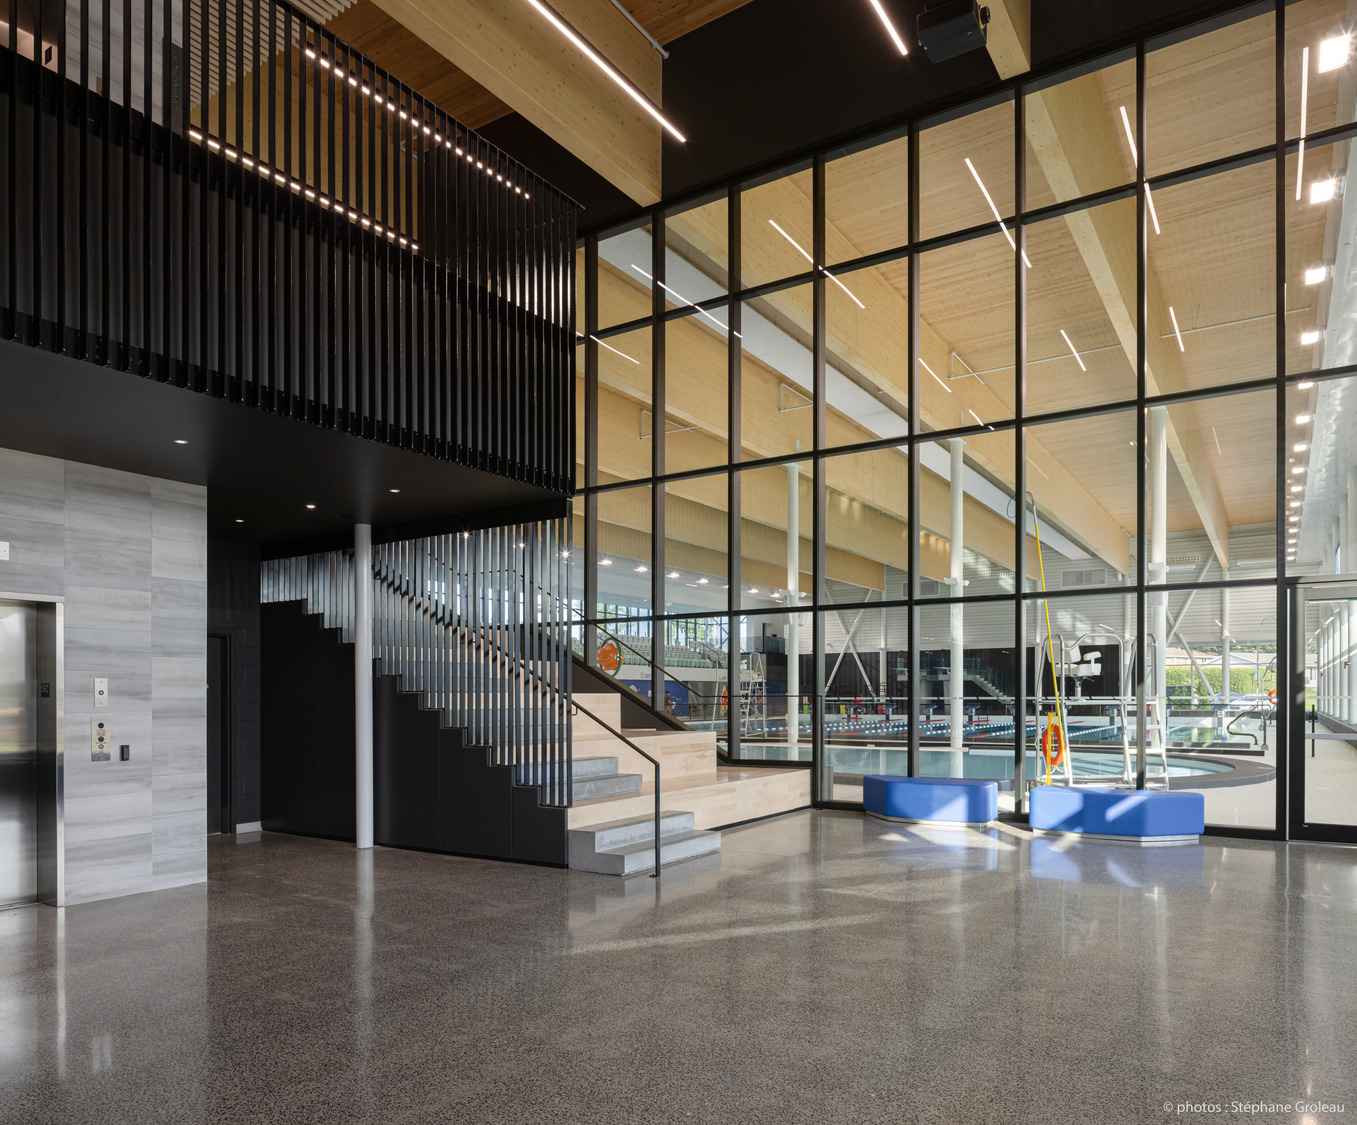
point(1349, 679)
point(1343, 709)
point(1158, 487)
point(957, 676)
point(1225, 642)
point(1324, 678)
point(794, 604)
point(362, 680)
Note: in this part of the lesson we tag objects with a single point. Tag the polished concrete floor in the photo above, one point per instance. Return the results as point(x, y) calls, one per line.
point(823, 968)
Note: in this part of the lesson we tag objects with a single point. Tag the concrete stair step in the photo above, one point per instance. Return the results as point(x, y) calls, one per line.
point(609, 786)
point(582, 769)
point(627, 847)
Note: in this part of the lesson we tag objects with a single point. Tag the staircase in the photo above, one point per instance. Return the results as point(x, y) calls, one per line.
point(614, 833)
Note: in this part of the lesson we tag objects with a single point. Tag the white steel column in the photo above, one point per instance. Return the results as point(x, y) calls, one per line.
point(1350, 672)
point(362, 680)
point(1343, 710)
point(1225, 642)
point(793, 604)
point(956, 689)
point(1158, 487)
point(1322, 670)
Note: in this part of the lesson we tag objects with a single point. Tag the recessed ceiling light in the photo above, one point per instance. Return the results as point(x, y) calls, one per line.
point(1304, 386)
point(1303, 419)
point(1333, 52)
point(1310, 336)
point(1298, 488)
point(1301, 446)
point(702, 581)
point(1315, 274)
point(1321, 191)
point(673, 574)
point(642, 569)
point(395, 490)
point(1299, 469)
point(240, 521)
point(310, 507)
point(1295, 503)
point(180, 441)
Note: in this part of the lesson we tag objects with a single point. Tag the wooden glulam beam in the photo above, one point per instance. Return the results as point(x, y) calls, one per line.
point(1010, 36)
point(509, 48)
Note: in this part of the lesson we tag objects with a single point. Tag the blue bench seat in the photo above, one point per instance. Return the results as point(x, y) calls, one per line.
point(1126, 814)
point(936, 800)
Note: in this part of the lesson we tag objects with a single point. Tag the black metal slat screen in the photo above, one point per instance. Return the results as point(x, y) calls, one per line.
point(219, 195)
point(477, 622)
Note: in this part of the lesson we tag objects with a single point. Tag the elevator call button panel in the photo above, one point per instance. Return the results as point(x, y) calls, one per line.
point(101, 741)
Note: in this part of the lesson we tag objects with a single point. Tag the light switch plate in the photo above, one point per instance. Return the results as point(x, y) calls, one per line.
point(4, 552)
point(100, 691)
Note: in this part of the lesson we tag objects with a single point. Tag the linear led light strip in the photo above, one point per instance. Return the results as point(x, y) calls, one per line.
point(811, 260)
point(1135, 159)
point(1304, 97)
point(684, 300)
point(604, 65)
point(994, 209)
point(414, 121)
point(890, 27)
point(1073, 351)
point(301, 189)
point(941, 383)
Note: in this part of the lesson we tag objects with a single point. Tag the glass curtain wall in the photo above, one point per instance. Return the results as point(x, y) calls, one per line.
point(1010, 417)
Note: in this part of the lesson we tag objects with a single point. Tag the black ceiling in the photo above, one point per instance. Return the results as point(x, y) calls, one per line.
point(259, 468)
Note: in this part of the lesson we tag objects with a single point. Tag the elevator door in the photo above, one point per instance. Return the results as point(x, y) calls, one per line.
point(18, 753)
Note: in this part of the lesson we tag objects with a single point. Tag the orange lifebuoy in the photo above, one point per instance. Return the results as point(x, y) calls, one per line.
point(1272, 696)
point(1052, 745)
point(610, 658)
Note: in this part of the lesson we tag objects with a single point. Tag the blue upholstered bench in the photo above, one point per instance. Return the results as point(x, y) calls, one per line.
point(938, 800)
point(1143, 816)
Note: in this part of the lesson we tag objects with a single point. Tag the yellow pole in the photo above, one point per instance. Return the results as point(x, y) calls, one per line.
point(1050, 646)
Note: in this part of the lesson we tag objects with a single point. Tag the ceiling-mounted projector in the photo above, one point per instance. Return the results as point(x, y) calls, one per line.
point(952, 28)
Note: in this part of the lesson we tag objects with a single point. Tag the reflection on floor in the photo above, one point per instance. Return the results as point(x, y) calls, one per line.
point(824, 967)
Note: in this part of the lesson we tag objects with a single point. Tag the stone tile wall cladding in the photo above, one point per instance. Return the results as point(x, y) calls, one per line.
point(129, 555)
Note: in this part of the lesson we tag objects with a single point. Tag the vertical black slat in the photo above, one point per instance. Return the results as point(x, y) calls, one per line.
point(250, 175)
point(144, 290)
point(284, 195)
point(824, 768)
point(203, 312)
point(322, 373)
point(182, 220)
point(734, 538)
point(59, 195)
point(1142, 326)
point(381, 212)
point(222, 255)
point(240, 316)
point(82, 322)
point(915, 430)
point(305, 357)
point(105, 103)
point(1020, 449)
point(269, 192)
point(12, 166)
point(125, 200)
point(335, 274)
point(660, 424)
point(1290, 805)
point(36, 333)
point(169, 250)
point(371, 291)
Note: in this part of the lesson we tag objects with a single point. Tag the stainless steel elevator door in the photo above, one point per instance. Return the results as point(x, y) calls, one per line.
point(18, 753)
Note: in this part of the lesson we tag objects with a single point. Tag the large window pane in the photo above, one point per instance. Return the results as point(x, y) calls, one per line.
point(867, 695)
point(624, 276)
point(773, 705)
point(867, 527)
point(776, 229)
point(960, 161)
point(1319, 55)
point(696, 541)
point(1221, 484)
point(697, 259)
point(624, 553)
point(773, 499)
point(625, 414)
point(1212, 283)
point(1081, 321)
point(696, 362)
point(1210, 96)
point(986, 539)
point(867, 355)
point(966, 335)
point(1076, 140)
point(1321, 303)
point(777, 375)
point(1082, 474)
point(867, 199)
point(1321, 533)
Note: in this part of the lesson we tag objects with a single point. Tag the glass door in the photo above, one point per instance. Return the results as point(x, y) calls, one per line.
point(1323, 740)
